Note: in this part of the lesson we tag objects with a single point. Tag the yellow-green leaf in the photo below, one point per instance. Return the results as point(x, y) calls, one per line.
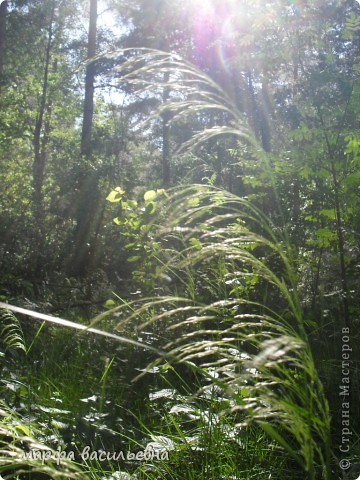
point(150, 195)
point(109, 303)
point(115, 195)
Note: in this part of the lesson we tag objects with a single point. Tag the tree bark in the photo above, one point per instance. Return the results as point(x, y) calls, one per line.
point(166, 138)
point(341, 246)
point(88, 188)
point(3, 15)
point(88, 112)
point(332, 154)
point(40, 142)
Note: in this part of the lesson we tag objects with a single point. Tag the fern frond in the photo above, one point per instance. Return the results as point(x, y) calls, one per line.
point(11, 334)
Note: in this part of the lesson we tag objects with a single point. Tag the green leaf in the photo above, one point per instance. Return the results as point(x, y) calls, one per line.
point(353, 179)
point(109, 304)
point(328, 213)
point(135, 258)
point(150, 195)
point(24, 429)
point(305, 172)
point(115, 195)
point(325, 236)
point(194, 202)
point(161, 192)
point(150, 208)
point(195, 243)
point(132, 204)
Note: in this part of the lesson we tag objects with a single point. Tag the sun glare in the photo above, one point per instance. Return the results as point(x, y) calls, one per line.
point(215, 25)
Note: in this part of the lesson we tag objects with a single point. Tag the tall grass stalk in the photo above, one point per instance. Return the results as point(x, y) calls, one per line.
point(257, 344)
point(260, 354)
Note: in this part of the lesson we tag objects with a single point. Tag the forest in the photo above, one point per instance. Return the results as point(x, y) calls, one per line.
point(179, 239)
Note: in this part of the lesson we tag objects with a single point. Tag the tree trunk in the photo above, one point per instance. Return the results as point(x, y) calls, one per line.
point(333, 153)
point(166, 138)
point(40, 142)
point(88, 188)
point(257, 118)
point(88, 112)
point(341, 246)
point(3, 14)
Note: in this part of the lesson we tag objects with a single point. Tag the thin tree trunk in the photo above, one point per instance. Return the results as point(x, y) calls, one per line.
point(258, 119)
point(40, 141)
point(339, 221)
point(264, 116)
point(166, 138)
point(88, 112)
point(88, 188)
point(3, 15)
point(39, 164)
point(341, 246)
point(270, 205)
point(316, 282)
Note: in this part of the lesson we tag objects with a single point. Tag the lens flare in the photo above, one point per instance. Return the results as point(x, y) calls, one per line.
point(216, 26)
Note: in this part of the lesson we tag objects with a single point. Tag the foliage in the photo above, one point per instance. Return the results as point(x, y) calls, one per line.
point(246, 292)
